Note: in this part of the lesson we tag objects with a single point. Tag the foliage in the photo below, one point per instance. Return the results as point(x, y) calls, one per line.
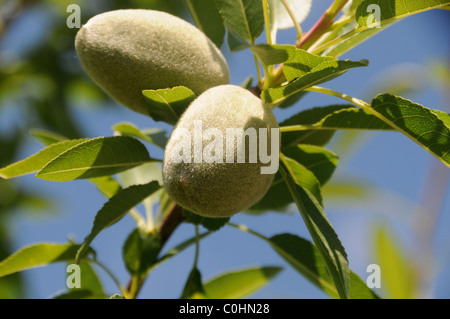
point(286, 72)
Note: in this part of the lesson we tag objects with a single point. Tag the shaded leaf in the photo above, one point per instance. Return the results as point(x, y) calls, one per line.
point(207, 18)
point(90, 279)
point(320, 229)
point(115, 209)
point(239, 284)
point(350, 118)
point(76, 294)
point(242, 17)
point(140, 251)
point(211, 224)
point(426, 127)
point(317, 160)
point(193, 289)
point(168, 105)
point(304, 257)
point(97, 157)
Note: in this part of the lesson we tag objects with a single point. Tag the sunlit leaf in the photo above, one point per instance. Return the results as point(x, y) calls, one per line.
point(35, 162)
point(37, 255)
point(239, 284)
point(98, 157)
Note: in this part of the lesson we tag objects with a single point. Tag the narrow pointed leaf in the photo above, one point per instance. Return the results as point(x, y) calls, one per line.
point(320, 229)
point(304, 69)
point(35, 162)
point(424, 126)
point(211, 224)
point(115, 209)
point(98, 157)
point(37, 255)
point(315, 159)
point(240, 284)
point(304, 257)
point(392, 10)
point(193, 289)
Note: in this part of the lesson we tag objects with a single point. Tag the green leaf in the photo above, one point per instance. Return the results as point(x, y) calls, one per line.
point(193, 289)
point(426, 127)
point(154, 136)
point(37, 255)
point(140, 251)
point(97, 157)
point(305, 178)
point(398, 277)
point(236, 43)
point(350, 43)
point(89, 281)
point(272, 54)
point(319, 227)
point(207, 18)
point(115, 209)
point(392, 10)
point(319, 161)
point(240, 284)
point(350, 118)
point(242, 17)
point(316, 160)
point(305, 258)
point(35, 162)
point(306, 118)
point(168, 105)
point(211, 224)
point(304, 69)
point(47, 137)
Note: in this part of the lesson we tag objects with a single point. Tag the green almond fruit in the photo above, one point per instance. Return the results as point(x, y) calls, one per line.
point(204, 169)
point(128, 51)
